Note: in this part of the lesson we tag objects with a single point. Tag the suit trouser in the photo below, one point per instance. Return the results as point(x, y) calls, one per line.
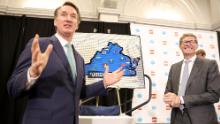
point(182, 117)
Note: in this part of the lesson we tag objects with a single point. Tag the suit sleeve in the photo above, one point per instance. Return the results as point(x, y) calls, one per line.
point(91, 90)
point(17, 82)
point(169, 82)
point(211, 93)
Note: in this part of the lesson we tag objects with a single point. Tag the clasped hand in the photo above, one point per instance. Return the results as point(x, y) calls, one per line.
point(172, 100)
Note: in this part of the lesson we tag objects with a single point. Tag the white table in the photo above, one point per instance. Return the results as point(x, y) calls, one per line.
point(122, 119)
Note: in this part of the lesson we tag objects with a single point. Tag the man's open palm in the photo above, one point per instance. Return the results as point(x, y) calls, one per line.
point(39, 59)
point(112, 78)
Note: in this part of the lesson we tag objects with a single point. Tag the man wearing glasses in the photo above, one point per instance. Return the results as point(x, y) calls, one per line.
point(192, 86)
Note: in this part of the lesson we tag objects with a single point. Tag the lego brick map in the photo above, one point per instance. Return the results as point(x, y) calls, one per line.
point(115, 51)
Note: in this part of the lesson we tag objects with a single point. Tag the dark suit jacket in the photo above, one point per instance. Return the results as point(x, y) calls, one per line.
point(54, 98)
point(201, 91)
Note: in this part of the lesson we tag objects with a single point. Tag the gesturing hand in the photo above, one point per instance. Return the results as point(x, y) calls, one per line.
point(39, 59)
point(111, 78)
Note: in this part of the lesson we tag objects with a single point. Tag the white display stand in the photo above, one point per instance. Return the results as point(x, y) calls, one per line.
point(122, 119)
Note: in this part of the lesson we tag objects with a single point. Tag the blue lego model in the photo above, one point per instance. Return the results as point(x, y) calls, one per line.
point(112, 56)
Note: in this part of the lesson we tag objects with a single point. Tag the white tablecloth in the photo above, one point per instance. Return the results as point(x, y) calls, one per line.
point(123, 119)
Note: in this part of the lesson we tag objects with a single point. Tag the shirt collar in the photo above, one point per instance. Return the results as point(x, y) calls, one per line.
point(62, 40)
point(191, 59)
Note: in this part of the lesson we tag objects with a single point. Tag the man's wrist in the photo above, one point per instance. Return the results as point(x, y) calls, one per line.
point(105, 85)
point(30, 80)
point(31, 74)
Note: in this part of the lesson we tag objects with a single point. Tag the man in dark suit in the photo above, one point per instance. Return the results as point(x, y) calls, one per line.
point(192, 101)
point(53, 84)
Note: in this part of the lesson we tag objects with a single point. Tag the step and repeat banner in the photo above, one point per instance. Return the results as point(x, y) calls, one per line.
point(160, 49)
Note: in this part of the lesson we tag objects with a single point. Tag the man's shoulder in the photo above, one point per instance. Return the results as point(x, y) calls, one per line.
point(178, 63)
point(206, 60)
point(44, 38)
point(47, 39)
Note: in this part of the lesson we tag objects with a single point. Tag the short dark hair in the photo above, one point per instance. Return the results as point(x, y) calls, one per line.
point(188, 35)
point(68, 3)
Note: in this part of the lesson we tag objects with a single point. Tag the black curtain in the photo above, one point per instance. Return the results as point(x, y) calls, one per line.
point(116, 28)
point(9, 34)
point(88, 27)
point(218, 36)
point(15, 32)
point(104, 27)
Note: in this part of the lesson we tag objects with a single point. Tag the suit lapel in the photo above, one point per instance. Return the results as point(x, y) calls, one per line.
point(193, 73)
point(177, 77)
point(78, 65)
point(62, 56)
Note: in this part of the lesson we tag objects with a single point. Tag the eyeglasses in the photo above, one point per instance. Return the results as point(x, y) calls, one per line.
point(190, 42)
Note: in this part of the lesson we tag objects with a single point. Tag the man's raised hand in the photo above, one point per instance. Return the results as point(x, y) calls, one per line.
point(39, 59)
